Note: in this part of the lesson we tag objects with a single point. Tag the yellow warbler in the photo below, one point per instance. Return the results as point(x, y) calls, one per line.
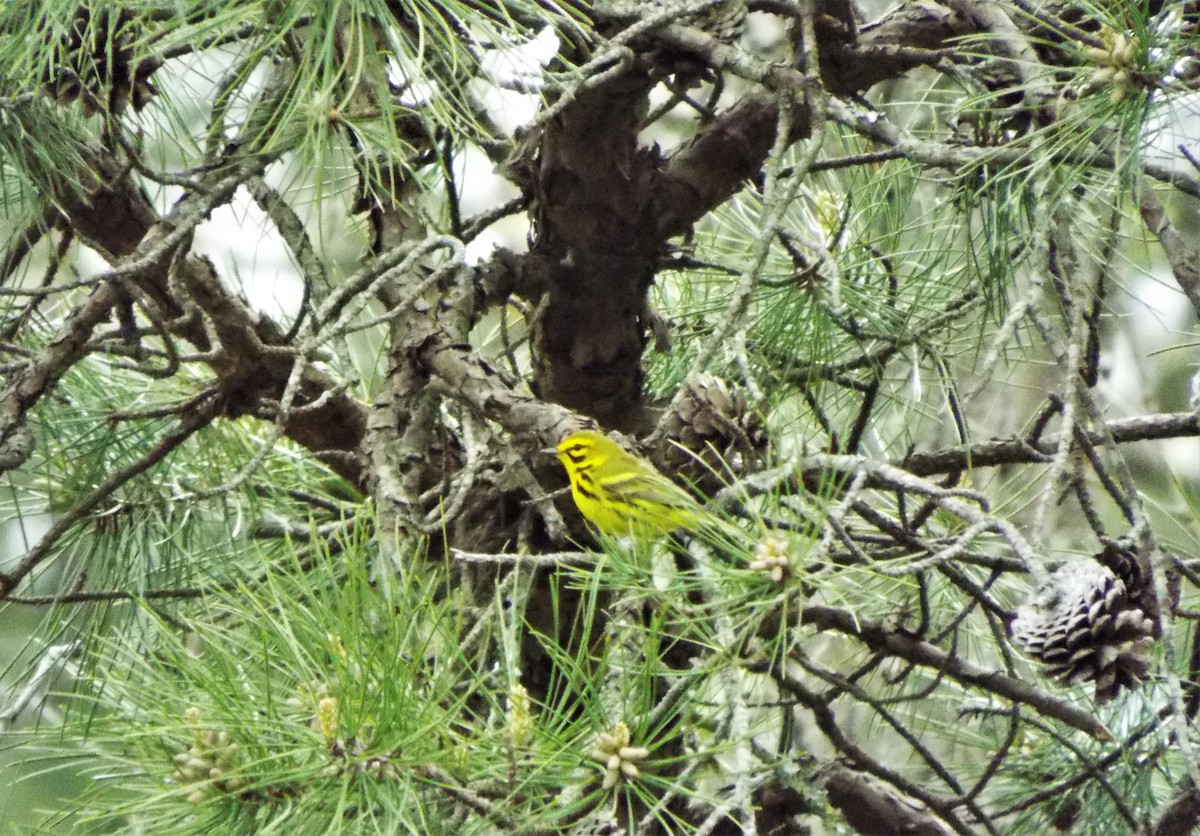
point(622, 494)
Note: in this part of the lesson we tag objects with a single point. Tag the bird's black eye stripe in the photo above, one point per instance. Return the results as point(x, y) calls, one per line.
point(577, 453)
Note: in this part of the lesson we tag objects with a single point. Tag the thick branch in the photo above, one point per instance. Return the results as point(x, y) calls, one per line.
point(595, 252)
point(869, 808)
point(707, 171)
point(118, 219)
point(1026, 451)
point(70, 344)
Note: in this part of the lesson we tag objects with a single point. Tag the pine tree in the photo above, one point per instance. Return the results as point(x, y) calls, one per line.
point(297, 296)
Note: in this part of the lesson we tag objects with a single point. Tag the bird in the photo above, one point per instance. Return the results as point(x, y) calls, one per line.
point(622, 494)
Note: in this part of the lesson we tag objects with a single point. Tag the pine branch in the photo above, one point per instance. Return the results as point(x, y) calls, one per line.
point(187, 426)
point(894, 642)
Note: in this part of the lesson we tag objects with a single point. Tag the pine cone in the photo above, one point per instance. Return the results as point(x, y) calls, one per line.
point(711, 434)
point(97, 63)
point(1084, 627)
point(1123, 559)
